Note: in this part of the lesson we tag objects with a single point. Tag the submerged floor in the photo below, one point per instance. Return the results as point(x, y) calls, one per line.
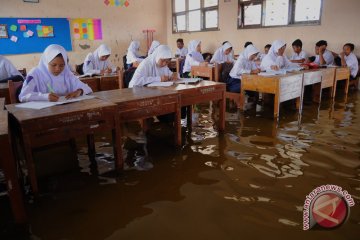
point(249, 182)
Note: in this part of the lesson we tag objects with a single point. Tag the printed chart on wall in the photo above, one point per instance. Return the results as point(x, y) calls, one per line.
point(117, 3)
point(33, 35)
point(86, 28)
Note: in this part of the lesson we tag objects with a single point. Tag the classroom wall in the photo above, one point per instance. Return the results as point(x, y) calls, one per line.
point(119, 24)
point(339, 24)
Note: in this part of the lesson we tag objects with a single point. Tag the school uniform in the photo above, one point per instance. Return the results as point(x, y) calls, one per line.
point(181, 52)
point(132, 54)
point(219, 55)
point(299, 56)
point(328, 57)
point(148, 70)
point(153, 46)
point(243, 65)
point(93, 64)
point(272, 58)
point(193, 58)
point(8, 71)
point(353, 64)
point(40, 81)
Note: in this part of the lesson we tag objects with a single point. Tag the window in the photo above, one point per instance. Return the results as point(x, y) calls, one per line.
point(271, 13)
point(195, 15)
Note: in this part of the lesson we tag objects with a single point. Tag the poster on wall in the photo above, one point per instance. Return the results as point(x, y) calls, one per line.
point(3, 31)
point(117, 3)
point(86, 28)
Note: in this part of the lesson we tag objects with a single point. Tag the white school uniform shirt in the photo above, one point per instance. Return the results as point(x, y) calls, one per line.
point(148, 70)
point(352, 63)
point(219, 55)
point(272, 58)
point(153, 46)
point(193, 58)
point(243, 63)
point(7, 69)
point(93, 64)
point(40, 81)
point(300, 56)
point(328, 57)
point(132, 53)
point(181, 52)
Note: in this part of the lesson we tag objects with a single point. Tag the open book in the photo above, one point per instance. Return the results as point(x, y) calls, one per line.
point(188, 80)
point(45, 104)
point(160, 84)
point(89, 75)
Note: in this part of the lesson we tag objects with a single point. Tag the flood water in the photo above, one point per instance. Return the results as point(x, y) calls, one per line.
point(248, 183)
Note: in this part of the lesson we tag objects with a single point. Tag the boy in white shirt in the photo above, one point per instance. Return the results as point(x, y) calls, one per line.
point(299, 56)
point(348, 59)
point(181, 51)
point(323, 56)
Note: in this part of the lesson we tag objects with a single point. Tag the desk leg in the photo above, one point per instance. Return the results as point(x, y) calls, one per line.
point(299, 104)
point(347, 83)
point(30, 165)
point(222, 108)
point(333, 89)
point(91, 147)
point(242, 100)
point(276, 106)
point(177, 124)
point(117, 145)
point(189, 112)
point(13, 186)
point(316, 92)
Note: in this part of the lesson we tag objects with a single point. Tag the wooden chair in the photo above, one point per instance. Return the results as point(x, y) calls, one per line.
point(23, 72)
point(14, 90)
point(79, 68)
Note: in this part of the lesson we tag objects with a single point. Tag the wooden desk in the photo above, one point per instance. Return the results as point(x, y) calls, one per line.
point(142, 102)
point(203, 71)
point(93, 82)
point(313, 78)
point(64, 122)
point(284, 88)
point(8, 164)
point(342, 73)
point(110, 82)
point(204, 91)
point(328, 76)
point(2, 103)
point(4, 92)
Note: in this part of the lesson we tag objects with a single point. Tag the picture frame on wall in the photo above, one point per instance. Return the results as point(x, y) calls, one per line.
point(31, 1)
point(3, 31)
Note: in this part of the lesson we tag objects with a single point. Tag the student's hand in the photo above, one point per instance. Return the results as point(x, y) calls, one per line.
point(255, 71)
point(164, 78)
point(174, 76)
point(342, 54)
point(204, 64)
point(74, 94)
point(322, 49)
point(53, 97)
point(275, 67)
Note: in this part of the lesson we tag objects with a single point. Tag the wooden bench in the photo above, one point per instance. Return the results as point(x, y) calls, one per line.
point(39, 128)
point(8, 165)
point(93, 82)
point(203, 71)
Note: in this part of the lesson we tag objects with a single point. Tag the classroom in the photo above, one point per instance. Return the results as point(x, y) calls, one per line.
point(179, 119)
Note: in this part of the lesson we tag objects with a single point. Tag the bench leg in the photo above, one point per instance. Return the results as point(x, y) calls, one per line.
point(222, 108)
point(189, 111)
point(276, 107)
point(117, 145)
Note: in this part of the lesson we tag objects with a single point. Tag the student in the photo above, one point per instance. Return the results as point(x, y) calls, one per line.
point(194, 57)
point(52, 79)
point(323, 56)
point(154, 68)
point(276, 59)
point(8, 71)
point(153, 46)
point(132, 54)
point(244, 64)
point(348, 59)
point(97, 62)
point(299, 56)
point(181, 51)
point(223, 54)
point(247, 44)
point(261, 56)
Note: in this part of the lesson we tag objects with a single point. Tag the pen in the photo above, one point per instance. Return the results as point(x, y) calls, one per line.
point(51, 90)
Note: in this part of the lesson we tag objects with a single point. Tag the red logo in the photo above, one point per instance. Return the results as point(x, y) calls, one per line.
point(330, 210)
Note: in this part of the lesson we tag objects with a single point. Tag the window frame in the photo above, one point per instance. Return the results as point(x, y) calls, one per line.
point(291, 16)
point(203, 11)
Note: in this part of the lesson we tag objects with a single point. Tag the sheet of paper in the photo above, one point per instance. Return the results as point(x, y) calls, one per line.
point(36, 105)
point(160, 84)
point(63, 100)
point(188, 80)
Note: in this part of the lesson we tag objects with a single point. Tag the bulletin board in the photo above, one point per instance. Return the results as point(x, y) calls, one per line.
point(33, 35)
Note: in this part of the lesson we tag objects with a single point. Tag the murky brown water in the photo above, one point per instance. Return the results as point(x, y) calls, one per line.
point(250, 182)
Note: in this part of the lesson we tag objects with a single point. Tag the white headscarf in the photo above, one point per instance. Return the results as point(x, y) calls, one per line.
point(219, 55)
point(153, 46)
point(271, 58)
point(193, 52)
point(134, 47)
point(249, 51)
point(275, 46)
point(49, 54)
point(94, 58)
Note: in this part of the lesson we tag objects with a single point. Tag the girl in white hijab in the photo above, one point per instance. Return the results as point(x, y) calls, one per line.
point(8, 71)
point(194, 57)
point(154, 68)
point(245, 64)
point(52, 78)
point(97, 62)
point(223, 54)
point(153, 46)
point(276, 59)
point(132, 54)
